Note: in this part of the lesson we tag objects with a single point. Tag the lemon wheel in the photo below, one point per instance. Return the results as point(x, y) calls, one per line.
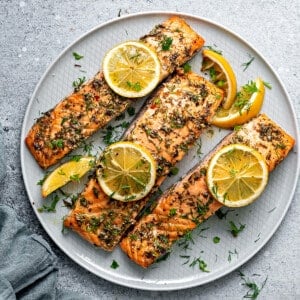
point(237, 175)
point(131, 69)
point(126, 171)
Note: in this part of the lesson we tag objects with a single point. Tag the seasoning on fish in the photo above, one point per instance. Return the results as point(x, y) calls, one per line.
point(168, 126)
point(92, 105)
point(190, 200)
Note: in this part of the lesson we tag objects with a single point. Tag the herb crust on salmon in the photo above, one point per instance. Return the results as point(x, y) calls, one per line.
point(93, 105)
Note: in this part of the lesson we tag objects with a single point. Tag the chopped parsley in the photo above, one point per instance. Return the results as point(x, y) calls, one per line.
point(201, 264)
point(216, 240)
point(78, 83)
point(114, 265)
point(172, 212)
point(136, 86)
point(131, 111)
point(75, 177)
point(234, 229)
point(174, 171)
point(163, 257)
point(166, 43)
point(77, 56)
point(187, 68)
point(76, 158)
point(222, 214)
point(59, 143)
point(51, 207)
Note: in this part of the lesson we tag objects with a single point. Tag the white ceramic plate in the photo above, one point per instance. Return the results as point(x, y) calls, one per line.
point(261, 218)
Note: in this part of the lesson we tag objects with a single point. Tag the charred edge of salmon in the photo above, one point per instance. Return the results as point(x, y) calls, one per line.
point(169, 125)
point(188, 203)
point(78, 116)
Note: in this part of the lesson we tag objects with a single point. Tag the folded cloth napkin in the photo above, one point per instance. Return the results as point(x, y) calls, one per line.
point(27, 264)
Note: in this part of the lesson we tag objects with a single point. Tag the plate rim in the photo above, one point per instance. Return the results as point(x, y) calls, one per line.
point(109, 276)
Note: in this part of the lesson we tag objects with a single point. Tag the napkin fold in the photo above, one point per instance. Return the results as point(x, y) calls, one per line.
point(28, 267)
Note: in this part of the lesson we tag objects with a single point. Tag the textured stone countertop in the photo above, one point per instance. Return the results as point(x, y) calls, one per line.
point(34, 32)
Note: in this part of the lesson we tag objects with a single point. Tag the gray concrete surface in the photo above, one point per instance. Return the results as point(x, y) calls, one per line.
point(34, 32)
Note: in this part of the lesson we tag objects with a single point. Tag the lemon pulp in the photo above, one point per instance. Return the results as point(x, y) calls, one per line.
point(237, 175)
point(221, 73)
point(126, 171)
point(131, 69)
point(70, 171)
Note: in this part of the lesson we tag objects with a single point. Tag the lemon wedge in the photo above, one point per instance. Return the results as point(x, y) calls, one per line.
point(221, 74)
point(237, 175)
point(246, 106)
point(72, 170)
point(126, 171)
point(131, 69)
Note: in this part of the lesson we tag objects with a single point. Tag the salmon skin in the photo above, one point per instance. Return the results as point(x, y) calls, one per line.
point(188, 203)
point(93, 105)
point(168, 126)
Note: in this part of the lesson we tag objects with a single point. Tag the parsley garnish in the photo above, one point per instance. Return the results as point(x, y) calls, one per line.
point(216, 239)
point(187, 68)
point(51, 207)
point(131, 111)
point(172, 212)
point(41, 181)
point(76, 158)
point(201, 264)
point(77, 56)
point(236, 230)
point(174, 171)
point(222, 214)
point(185, 240)
point(166, 43)
point(114, 265)
point(134, 86)
point(78, 83)
point(59, 143)
point(75, 177)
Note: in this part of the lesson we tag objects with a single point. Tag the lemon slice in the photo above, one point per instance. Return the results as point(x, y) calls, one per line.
point(72, 170)
point(131, 69)
point(237, 175)
point(221, 74)
point(246, 106)
point(126, 172)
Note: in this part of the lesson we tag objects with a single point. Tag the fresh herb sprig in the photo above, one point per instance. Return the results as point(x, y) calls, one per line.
point(235, 230)
point(253, 288)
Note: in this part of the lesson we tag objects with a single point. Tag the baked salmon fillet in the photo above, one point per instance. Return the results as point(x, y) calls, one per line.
point(79, 115)
point(168, 126)
point(188, 203)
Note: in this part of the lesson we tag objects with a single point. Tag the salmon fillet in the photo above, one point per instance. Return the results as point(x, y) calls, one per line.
point(189, 202)
point(168, 126)
point(79, 115)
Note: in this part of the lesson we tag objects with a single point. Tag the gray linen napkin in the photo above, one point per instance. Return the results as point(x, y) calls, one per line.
point(28, 268)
